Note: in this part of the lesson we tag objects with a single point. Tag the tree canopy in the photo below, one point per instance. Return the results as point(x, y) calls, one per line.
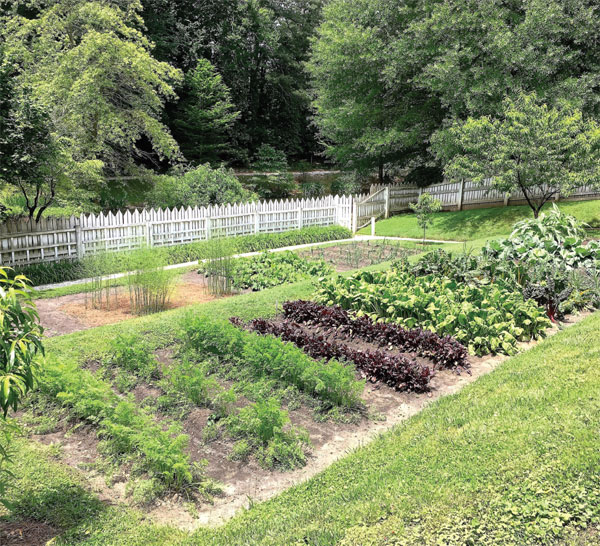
point(539, 150)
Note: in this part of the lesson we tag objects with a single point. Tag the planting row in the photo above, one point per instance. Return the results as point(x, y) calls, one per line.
point(397, 371)
point(127, 431)
point(332, 383)
point(445, 351)
point(486, 318)
point(262, 428)
point(259, 272)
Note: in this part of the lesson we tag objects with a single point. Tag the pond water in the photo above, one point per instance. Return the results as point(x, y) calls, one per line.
point(304, 184)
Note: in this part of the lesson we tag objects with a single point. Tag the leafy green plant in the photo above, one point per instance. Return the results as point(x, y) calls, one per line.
point(424, 209)
point(272, 269)
point(132, 354)
point(219, 267)
point(486, 318)
point(266, 428)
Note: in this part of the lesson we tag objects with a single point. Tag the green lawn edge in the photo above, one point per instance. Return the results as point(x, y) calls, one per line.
point(471, 224)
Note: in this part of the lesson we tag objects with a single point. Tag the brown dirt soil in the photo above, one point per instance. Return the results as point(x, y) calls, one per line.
point(67, 314)
point(346, 257)
point(26, 533)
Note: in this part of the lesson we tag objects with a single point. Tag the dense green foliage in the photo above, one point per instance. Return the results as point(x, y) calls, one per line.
point(55, 272)
point(88, 67)
point(389, 75)
point(20, 348)
point(543, 152)
point(200, 187)
point(486, 318)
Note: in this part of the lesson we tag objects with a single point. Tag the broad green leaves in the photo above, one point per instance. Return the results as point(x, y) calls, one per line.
point(21, 341)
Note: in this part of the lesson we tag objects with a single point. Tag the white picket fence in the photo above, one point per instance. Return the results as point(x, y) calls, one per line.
point(464, 194)
point(55, 239)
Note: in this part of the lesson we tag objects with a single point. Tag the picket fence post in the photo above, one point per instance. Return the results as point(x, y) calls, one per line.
point(461, 193)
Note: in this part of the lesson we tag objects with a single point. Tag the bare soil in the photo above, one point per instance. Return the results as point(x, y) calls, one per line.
point(26, 533)
point(345, 257)
point(67, 314)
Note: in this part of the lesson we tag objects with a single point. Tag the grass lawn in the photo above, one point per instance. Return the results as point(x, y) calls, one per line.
point(511, 459)
point(473, 224)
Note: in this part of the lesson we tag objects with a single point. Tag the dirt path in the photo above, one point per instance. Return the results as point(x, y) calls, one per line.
point(67, 314)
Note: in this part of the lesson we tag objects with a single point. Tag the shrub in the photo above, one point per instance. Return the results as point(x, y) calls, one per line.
point(269, 159)
point(200, 187)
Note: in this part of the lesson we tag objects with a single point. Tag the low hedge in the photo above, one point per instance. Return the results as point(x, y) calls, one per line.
point(71, 270)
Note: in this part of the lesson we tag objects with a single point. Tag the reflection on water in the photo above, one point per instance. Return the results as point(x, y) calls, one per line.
point(293, 184)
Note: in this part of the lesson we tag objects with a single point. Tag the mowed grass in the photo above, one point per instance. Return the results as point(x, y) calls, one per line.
point(489, 223)
point(511, 459)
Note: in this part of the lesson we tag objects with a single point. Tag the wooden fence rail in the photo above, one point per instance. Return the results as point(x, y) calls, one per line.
point(54, 239)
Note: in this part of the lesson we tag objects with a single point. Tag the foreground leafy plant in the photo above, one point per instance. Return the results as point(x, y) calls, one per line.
point(267, 429)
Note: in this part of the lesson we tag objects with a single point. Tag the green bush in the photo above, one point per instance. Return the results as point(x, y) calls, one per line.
point(70, 270)
point(201, 187)
point(269, 159)
point(267, 355)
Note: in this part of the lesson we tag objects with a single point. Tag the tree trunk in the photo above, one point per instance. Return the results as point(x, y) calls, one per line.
point(381, 173)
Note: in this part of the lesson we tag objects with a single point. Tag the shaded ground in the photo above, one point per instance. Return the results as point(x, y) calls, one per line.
point(26, 533)
point(67, 314)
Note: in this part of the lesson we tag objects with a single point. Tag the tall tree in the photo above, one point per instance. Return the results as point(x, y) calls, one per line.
point(89, 66)
point(540, 151)
point(259, 47)
point(428, 65)
point(201, 120)
point(368, 120)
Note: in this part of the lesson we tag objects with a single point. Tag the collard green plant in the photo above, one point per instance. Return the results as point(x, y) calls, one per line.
point(486, 318)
